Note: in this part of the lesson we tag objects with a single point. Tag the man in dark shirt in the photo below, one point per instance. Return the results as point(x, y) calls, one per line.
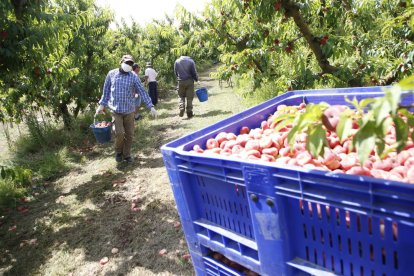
point(186, 72)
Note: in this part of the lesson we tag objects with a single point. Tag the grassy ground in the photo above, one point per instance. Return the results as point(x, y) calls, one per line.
point(77, 219)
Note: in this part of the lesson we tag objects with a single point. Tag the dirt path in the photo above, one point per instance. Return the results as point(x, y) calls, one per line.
point(76, 221)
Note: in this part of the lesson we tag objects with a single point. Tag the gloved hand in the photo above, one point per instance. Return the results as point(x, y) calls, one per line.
point(100, 110)
point(154, 112)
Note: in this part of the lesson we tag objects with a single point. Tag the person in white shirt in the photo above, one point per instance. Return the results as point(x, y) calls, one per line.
point(151, 80)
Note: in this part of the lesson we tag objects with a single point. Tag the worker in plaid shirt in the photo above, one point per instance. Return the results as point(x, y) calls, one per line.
point(119, 96)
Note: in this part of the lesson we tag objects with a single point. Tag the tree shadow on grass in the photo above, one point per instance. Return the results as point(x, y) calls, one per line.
point(214, 113)
point(109, 222)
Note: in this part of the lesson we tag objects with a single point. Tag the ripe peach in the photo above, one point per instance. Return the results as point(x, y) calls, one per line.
point(410, 175)
point(231, 136)
point(299, 147)
point(402, 157)
point(212, 143)
point(267, 157)
point(301, 138)
point(216, 150)
point(292, 162)
point(333, 142)
point(281, 107)
point(379, 174)
point(409, 145)
point(244, 130)
point(359, 171)
point(257, 135)
point(385, 165)
point(197, 148)
point(395, 176)
point(264, 125)
point(252, 145)
point(271, 151)
point(253, 157)
point(347, 162)
point(331, 115)
point(284, 151)
point(265, 142)
point(230, 144)
point(400, 170)
point(226, 152)
point(222, 136)
point(242, 139)
point(283, 160)
point(309, 166)
point(303, 158)
point(236, 149)
point(268, 132)
point(409, 163)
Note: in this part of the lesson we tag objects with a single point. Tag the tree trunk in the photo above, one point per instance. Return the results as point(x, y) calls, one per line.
point(64, 112)
point(291, 10)
point(18, 7)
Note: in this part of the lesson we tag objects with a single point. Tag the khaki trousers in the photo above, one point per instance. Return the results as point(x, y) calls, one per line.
point(124, 132)
point(186, 90)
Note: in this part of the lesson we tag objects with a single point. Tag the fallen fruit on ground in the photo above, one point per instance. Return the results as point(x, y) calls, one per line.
point(104, 260)
point(162, 252)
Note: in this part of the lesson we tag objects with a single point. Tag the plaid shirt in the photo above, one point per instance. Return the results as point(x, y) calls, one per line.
point(119, 92)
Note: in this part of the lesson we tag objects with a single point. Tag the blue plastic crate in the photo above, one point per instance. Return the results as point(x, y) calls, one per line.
point(290, 220)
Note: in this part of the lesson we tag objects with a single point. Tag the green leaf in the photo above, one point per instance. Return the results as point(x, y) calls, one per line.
point(292, 134)
point(388, 151)
point(407, 83)
point(380, 147)
point(283, 117)
point(363, 103)
point(381, 110)
point(409, 115)
point(344, 126)
point(364, 141)
point(393, 96)
point(316, 140)
point(382, 130)
point(284, 123)
point(402, 132)
point(353, 102)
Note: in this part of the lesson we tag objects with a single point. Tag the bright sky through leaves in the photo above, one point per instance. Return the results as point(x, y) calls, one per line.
point(144, 11)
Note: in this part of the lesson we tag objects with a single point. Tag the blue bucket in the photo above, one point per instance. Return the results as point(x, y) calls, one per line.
point(202, 94)
point(102, 134)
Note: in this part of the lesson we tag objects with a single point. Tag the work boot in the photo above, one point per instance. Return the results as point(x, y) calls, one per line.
point(118, 157)
point(182, 112)
point(190, 115)
point(128, 159)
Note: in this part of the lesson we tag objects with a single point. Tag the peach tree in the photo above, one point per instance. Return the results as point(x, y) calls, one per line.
point(309, 44)
point(50, 57)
